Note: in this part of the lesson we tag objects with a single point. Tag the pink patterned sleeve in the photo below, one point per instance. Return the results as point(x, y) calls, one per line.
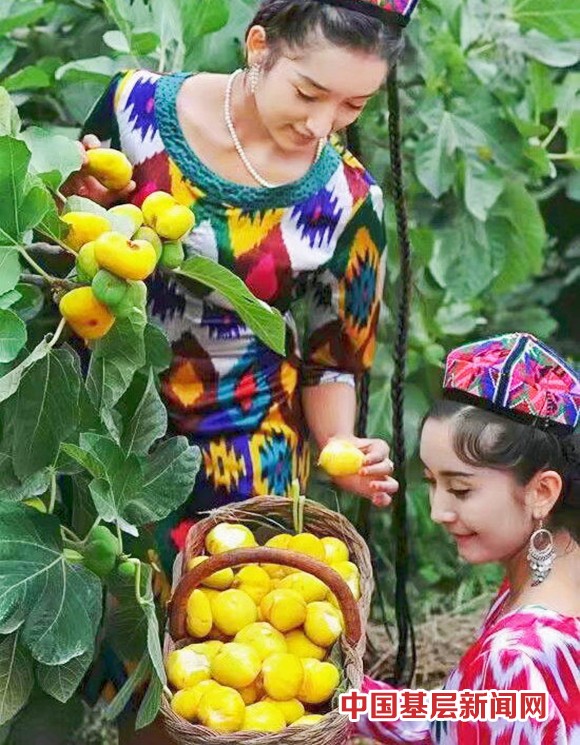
point(417, 731)
point(507, 670)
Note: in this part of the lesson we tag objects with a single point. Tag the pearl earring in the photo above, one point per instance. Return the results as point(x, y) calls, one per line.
point(541, 554)
point(254, 77)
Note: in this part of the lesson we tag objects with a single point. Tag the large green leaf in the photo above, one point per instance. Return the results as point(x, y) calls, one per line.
point(516, 228)
point(99, 69)
point(9, 268)
point(62, 681)
point(29, 303)
point(59, 604)
point(9, 119)
point(46, 411)
point(151, 703)
point(136, 491)
point(170, 475)
point(541, 47)
point(28, 78)
point(266, 322)
point(462, 262)
point(145, 416)
point(201, 17)
point(115, 360)
point(128, 623)
point(9, 383)
point(118, 480)
point(51, 226)
point(559, 19)
point(23, 204)
point(434, 161)
point(12, 335)
point(54, 157)
point(568, 98)
point(8, 299)
point(484, 182)
point(157, 349)
point(16, 676)
point(222, 49)
point(11, 19)
point(12, 489)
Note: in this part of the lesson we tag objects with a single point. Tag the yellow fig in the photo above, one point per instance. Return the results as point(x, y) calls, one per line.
point(185, 668)
point(335, 550)
point(341, 458)
point(88, 318)
point(227, 536)
point(222, 710)
point(284, 609)
point(154, 203)
point(323, 624)
point(236, 665)
point(263, 717)
point(320, 681)
point(110, 167)
point(232, 610)
point(131, 212)
point(123, 257)
point(254, 581)
point(283, 675)
point(174, 223)
point(221, 580)
point(199, 615)
point(83, 228)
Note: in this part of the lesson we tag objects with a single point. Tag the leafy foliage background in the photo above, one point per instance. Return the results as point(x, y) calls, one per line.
point(490, 91)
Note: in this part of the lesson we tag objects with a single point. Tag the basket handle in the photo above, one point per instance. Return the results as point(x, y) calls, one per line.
point(177, 606)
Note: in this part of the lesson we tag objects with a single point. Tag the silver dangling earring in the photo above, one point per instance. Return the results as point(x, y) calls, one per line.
point(541, 554)
point(254, 77)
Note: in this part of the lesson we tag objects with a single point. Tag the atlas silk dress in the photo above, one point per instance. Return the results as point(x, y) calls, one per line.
point(529, 649)
point(320, 238)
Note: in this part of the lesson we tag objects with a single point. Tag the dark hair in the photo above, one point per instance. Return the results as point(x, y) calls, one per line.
point(294, 23)
point(482, 438)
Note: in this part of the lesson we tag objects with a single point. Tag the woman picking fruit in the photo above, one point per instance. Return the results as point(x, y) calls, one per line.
point(280, 204)
point(502, 459)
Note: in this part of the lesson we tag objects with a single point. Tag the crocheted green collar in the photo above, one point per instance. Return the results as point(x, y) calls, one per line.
point(219, 188)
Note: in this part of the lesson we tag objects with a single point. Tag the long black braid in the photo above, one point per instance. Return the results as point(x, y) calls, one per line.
point(402, 673)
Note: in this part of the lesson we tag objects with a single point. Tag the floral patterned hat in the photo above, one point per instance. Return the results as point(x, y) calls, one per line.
point(389, 11)
point(519, 376)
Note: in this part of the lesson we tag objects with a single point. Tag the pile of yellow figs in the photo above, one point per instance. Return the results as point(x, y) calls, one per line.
point(112, 266)
point(263, 635)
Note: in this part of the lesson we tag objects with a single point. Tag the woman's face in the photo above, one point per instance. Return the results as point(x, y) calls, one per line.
point(484, 509)
point(309, 94)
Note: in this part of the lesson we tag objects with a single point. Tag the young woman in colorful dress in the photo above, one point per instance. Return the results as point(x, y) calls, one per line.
point(502, 461)
point(286, 209)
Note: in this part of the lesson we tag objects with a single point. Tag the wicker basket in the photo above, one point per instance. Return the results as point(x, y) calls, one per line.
point(263, 515)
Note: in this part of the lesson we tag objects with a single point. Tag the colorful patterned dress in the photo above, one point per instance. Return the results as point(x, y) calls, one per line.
point(531, 648)
point(320, 239)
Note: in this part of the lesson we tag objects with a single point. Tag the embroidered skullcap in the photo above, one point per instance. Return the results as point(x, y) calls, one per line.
point(519, 376)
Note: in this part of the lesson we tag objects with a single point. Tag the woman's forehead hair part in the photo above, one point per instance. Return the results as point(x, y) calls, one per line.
point(302, 24)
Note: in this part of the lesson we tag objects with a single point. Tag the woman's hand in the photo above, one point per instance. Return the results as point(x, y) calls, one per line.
point(83, 185)
point(374, 480)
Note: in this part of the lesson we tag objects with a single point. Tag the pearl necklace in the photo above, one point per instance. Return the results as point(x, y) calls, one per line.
point(238, 145)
